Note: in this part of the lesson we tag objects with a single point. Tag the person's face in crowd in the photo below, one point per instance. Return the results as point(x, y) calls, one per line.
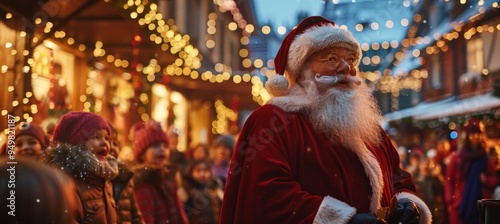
point(98, 143)
point(334, 61)
point(201, 173)
point(199, 153)
point(222, 153)
point(173, 140)
point(27, 145)
point(115, 148)
point(156, 154)
point(475, 138)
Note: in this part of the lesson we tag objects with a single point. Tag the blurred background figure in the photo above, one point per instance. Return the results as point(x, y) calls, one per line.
point(155, 192)
point(223, 150)
point(493, 154)
point(177, 158)
point(31, 141)
point(42, 194)
point(416, 155)
point(429, 184)
point(204, 193)
point(470, 176)
point(127, 209)
point(200, 151)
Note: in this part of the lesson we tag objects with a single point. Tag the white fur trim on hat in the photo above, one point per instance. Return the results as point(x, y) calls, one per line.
point(277, 85)
point(316, 39)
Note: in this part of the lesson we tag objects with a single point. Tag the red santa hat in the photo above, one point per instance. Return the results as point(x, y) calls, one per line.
point(77, 127)
point(313, 34)
point(146, 134)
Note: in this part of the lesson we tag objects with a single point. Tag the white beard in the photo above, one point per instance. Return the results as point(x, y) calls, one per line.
point(342, 114)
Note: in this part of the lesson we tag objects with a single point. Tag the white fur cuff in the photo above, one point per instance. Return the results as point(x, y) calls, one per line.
point(332, 210)
point(425, 213)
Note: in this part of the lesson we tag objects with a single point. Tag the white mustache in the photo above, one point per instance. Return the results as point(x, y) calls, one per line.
point(332, 80)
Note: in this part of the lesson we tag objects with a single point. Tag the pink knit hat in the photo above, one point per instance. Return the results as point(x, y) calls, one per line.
point(145, 134)
point(76, 127)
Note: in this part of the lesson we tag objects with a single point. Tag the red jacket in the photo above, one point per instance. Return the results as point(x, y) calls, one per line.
point(157, 197)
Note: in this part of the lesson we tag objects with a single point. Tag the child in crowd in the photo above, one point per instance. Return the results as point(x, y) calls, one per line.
point(204, 193)
point(223, 150)
point(155, 193)
point(30, 141)
point(123, 187)
point(80, 148)
point(200, 151)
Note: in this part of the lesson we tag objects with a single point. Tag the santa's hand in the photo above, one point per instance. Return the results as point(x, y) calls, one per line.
point(365, 218)
point(407, 212)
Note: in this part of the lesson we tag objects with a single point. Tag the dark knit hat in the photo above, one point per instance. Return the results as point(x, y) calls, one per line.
point(145, 134)
point(76, 127)
point(313, 34)
point(225, 140)
point(33, 130)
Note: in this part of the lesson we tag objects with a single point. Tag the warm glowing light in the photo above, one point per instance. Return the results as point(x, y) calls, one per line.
point(232, 26)
point(266, 29)
point(359, 27)
point(281, 30)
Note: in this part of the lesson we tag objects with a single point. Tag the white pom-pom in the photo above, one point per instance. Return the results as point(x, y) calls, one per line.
point(277, 85)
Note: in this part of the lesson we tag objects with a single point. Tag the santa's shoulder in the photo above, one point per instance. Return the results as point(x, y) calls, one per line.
point(272, 114)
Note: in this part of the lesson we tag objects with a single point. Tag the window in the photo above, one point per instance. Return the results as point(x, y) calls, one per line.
point(475, 60)
point(436, 74)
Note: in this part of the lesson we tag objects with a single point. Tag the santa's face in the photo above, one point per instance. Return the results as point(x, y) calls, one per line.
point(341, 105)
point(334, 61)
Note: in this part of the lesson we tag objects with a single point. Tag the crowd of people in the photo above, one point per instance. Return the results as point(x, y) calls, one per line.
point(78, 177)
point(451, 180)
point(315, 153)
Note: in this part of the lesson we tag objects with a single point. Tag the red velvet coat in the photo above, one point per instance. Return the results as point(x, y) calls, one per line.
point(283, 171)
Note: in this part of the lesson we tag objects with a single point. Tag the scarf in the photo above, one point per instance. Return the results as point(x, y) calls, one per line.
point(472, 192)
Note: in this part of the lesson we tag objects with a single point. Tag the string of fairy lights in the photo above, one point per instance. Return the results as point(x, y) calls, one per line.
point(167, 36)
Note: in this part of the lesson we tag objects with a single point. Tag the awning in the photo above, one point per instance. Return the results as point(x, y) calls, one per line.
point(421, 108)
point(463, 106)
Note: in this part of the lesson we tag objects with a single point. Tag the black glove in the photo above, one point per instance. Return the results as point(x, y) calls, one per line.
point(364, 218)
point(407, 213)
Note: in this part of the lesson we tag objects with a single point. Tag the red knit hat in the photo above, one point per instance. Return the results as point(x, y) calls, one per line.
point(33, 130)
point(313, 34)
point(145, 134)
point(473, 126)
point(76, 127)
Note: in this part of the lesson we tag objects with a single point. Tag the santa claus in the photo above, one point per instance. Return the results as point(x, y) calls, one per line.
point(315, 153)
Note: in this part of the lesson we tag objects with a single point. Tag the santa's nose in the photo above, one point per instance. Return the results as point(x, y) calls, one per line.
point(344, 68)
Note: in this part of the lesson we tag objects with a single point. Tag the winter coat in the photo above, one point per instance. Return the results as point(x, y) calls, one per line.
point(123, 193)
point(284, 171)
point(455, 185)
point(157, 196)
point(203, 204)
point(95, 194)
